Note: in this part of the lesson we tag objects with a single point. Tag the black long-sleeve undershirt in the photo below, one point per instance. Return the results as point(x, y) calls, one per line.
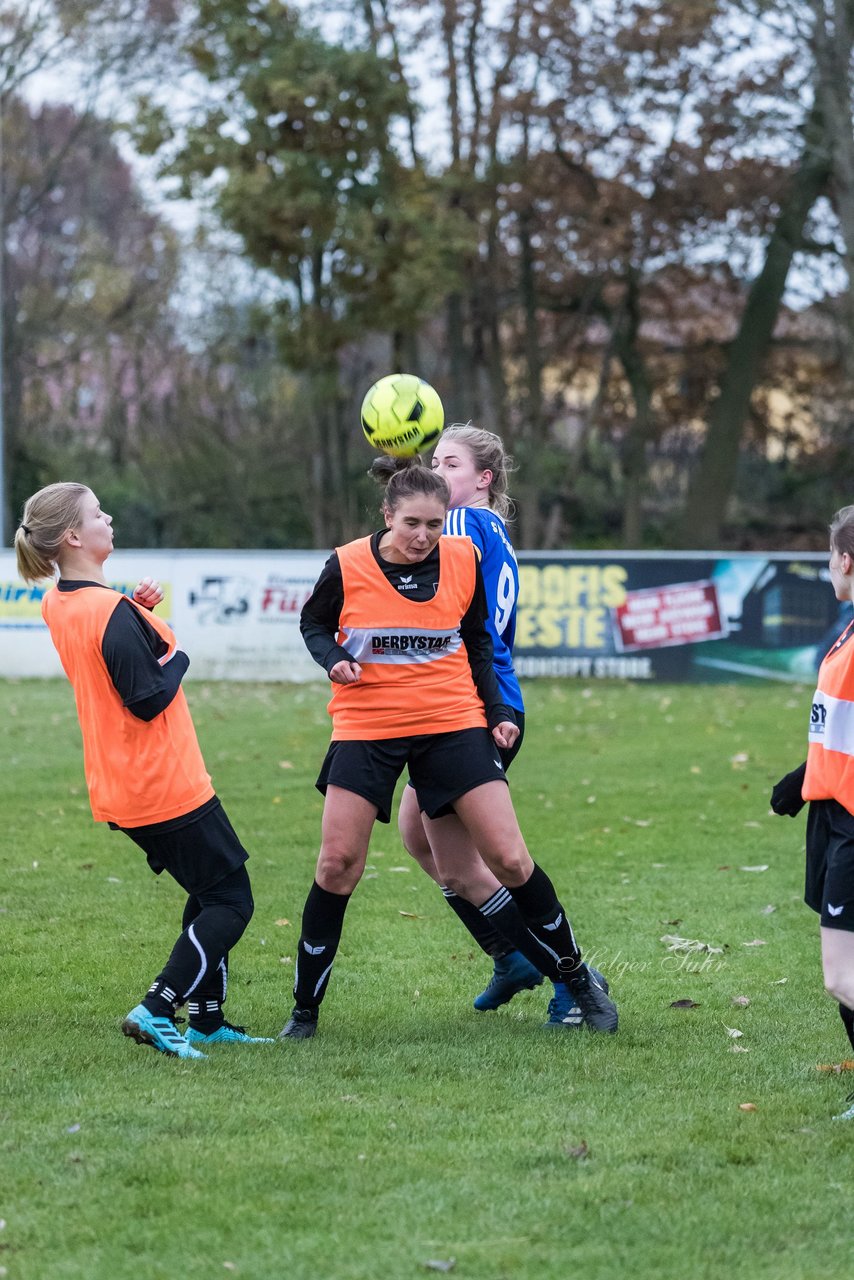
point(132, 650)
point(321, 614)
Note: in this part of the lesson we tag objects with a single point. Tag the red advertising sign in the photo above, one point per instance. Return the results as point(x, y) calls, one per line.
point(679, 613)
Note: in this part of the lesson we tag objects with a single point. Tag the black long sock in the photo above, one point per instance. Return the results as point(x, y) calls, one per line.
point(545, 936)
point(197, 954)
point(486, 937)
point(847, 1016)
point(204, 1008)
point(322, 922)
point(214, 921)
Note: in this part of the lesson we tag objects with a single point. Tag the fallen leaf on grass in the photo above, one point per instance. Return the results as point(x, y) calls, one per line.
point(733, 1031)
point(285, 764)
point(747, 1106)
point(778, 982)
point(406, 869)
point(410, 915)
point(757, 942)
point(768, 911)
point(684, 1004)
point(764, 867)
point(753, 824)
point(73, 1128)
point(741, 1001)
point(738, 1048)
point(281, 923)
point(439, 1264)
point(230, 1266)
point(675, 943)
point(836, 1067)
point(638, 822)
point(581, 1152)
point(672, 923)
point(739, 760)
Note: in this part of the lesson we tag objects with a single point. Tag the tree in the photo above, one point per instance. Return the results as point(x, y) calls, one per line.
point(299, 156)
point(94, 41)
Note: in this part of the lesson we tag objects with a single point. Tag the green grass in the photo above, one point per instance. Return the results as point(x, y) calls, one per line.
point(412, 1129)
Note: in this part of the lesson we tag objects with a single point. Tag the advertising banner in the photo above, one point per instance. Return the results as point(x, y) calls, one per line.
point(675, 616)
point(235, 613)
point(589, 615)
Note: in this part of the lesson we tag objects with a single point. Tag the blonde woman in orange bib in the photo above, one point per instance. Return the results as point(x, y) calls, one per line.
point(142, 762)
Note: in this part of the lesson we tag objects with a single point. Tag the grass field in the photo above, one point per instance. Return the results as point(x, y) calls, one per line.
point(412, 1131)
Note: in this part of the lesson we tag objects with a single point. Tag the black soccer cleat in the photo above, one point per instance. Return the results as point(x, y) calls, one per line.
point(301, 1025)
point(598, 1011)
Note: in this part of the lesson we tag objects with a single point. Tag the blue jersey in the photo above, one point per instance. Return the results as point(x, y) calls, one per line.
point(501, 580)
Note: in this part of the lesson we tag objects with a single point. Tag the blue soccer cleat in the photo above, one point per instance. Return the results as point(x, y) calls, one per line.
point(564, 1010)
point(512, 973)
point(161, 1033)
point(226, 1034)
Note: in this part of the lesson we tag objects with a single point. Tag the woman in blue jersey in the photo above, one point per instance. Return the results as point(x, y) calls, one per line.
point(475, 466)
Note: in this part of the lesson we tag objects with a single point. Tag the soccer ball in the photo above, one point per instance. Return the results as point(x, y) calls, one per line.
point(401, 415)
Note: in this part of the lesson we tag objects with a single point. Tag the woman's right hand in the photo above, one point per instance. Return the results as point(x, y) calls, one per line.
point(505, 734)
point(345, 673)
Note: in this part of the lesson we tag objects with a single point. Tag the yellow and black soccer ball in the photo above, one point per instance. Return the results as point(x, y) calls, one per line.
point(402, 415)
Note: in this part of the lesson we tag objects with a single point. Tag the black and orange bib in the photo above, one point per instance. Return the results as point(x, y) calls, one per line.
point(830, 759)
point(138, 772)
point(416, 676)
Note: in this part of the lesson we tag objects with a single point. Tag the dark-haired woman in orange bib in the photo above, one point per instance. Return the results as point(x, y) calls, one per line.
point(143, 766)
point(398, 621)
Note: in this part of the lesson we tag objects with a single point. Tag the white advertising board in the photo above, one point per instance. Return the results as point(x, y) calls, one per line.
point(236, 613)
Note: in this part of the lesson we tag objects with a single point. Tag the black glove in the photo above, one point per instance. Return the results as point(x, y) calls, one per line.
point(786, 797)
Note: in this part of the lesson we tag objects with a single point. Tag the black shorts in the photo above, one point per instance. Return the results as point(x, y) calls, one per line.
point(198, 854)
point(830, 864)
point(442, 767)
point(507, 754)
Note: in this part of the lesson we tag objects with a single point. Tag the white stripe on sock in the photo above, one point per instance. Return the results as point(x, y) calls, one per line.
point(203, 970)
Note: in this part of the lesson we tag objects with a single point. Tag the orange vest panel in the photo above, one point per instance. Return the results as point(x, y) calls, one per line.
point(138, 772)
point(830, 759)
point(416, 676)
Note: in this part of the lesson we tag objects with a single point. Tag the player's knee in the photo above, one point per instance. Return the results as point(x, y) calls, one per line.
point(839, 984)
point(513, 866)
point(411, 828)
point(338, 868)
point(417, 845)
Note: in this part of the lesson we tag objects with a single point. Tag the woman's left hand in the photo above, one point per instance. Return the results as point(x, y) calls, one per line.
point(505, 734)
point(148, 593)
